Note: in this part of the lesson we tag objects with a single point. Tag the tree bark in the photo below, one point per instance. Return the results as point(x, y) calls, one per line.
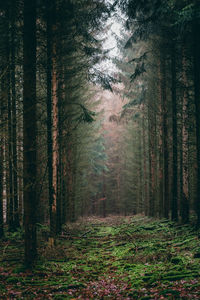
point(196, 61)
point(160, 139)
point(174, 202)
point(9, 107)
point(55, 133)
point(152, 159)
point(104, 195)
point(49, 108)
point(146, 198)
point(185, 176)
point(60, 197)
point(1, 175)
point(71, 204)
point(165, 139)
point(29, 130)
point(14, 121)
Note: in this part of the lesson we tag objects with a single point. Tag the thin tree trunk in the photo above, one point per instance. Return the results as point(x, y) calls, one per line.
point(152, 161)
point(55, 156)
point(60, 198)
point(160, 141)
point(185, 175)
point(29, 130)
point(20, 161)
point(8, 96)
point(196, 57)
point(104, 195)
point(14, 120)
point(52, 118)
point(146, 199)
point(49, 107)
point(164, 139)
point(64, 186)
point(7, 175)
point(140, 173)
point(60, 150)
point(174, 203)
point(1, 175)
point(71, 206)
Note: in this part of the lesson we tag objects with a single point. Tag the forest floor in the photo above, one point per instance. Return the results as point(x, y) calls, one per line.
point(112, 258)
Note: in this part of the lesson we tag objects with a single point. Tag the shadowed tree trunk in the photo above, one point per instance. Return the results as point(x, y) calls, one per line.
point(9, 107)
point(55, 156)
point(152, 160)
point(185, 182)
point(70, 199)
point(140, 205)
point(174, 203)
point(29, 130)
point(104, 195)
point(14, 120)
point(165, 139)
point(146, 198)
point(1, 191)
point(196, 57)
point(160, 138)
point(60, 197)
point(1, 174)
point(49, 106)
point(52, 118)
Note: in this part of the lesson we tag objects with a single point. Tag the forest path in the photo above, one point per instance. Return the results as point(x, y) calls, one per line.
point(112, 258)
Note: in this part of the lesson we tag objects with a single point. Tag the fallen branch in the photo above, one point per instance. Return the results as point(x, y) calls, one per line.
point(82, 235)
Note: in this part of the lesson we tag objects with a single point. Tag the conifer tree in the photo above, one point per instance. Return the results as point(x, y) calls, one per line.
point(29, 130)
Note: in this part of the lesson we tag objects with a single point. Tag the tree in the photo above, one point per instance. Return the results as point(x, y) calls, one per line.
point(184, 185)
point(14, 119)
point(1, 177)
point(196, 64)
point(174, 204)
point(153, 23)
point(29, 130)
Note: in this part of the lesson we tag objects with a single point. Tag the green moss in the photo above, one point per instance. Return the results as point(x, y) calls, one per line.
point(12, 279)
point(61, 297)
point(177, 260)
point(143, 253)
point(19, 269)
point(169, 292)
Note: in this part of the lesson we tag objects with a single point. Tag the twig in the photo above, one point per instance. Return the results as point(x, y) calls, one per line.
point(85, 233)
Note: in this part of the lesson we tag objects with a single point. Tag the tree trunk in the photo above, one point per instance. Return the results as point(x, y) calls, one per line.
point(64, 186)
point(152, 160)
point(71, 205)
point(14, 121)
point(104, 195)
point(146, 198)
point(160, 140)
point(8, 96)
point(1, 174)
point(55, 156)
point(29, 130)
point(52, 118)
point(49, 108)
point(60, 150)
point(185, 182)
point(174, 203)
point(165, 139)
point(196, 57)
point(140, 172)
point(20, 161)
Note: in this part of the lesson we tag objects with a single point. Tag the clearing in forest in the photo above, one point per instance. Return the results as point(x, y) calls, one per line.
point(112, 258)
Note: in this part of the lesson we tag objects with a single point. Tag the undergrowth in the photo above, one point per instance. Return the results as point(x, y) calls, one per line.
point(112, 258)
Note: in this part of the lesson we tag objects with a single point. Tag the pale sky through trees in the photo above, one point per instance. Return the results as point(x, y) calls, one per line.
point(112, 28)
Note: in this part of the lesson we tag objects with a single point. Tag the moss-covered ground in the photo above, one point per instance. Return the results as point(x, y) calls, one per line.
point(111, 258)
